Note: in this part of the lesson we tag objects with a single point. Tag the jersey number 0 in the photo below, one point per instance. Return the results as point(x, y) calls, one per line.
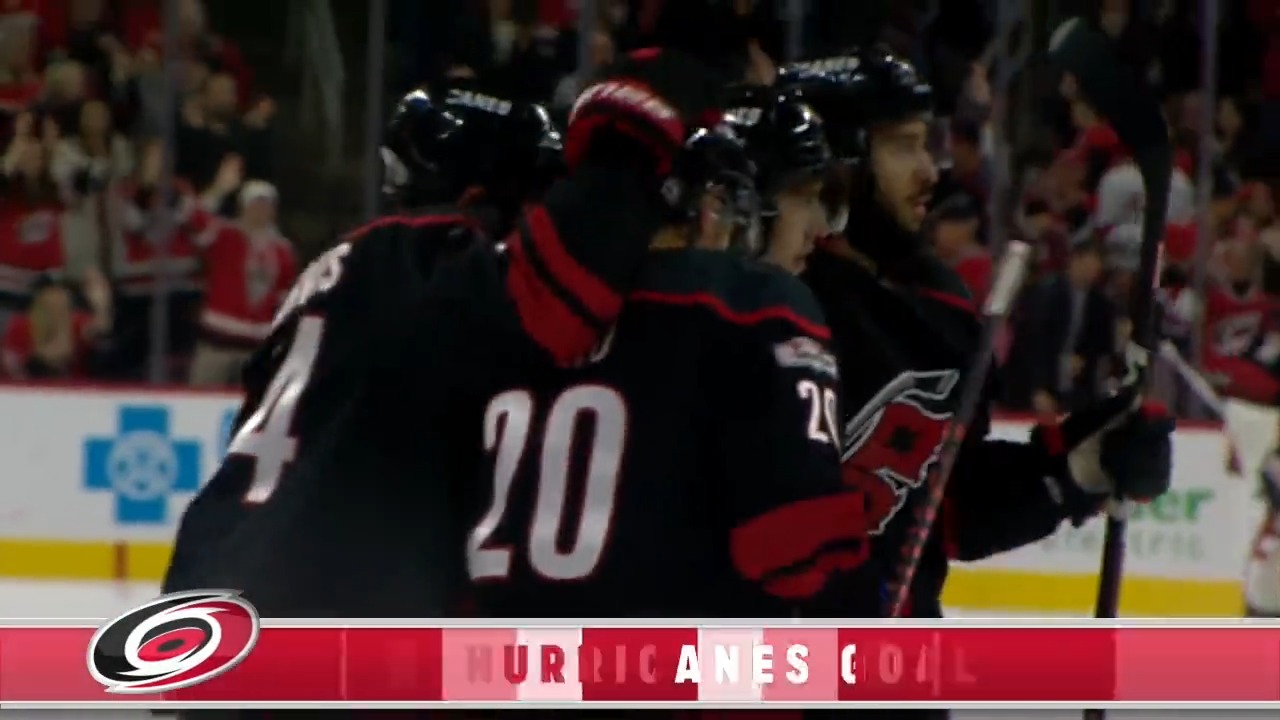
point(507, 424)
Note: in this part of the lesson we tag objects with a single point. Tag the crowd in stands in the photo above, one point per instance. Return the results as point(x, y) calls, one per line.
point(86, 233)
point(88, 223)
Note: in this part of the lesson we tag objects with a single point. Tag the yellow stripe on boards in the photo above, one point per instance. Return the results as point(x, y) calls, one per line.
point(82, 560)
point(975, 589)
point(1075, 594)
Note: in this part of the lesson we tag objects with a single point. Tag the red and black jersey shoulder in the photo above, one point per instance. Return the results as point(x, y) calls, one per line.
point(731, 288)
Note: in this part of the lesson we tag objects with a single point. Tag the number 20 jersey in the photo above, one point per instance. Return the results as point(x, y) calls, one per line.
point(688, 468)
point(336, 498)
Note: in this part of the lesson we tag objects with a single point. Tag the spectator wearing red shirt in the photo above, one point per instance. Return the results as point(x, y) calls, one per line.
point(249, 267)
point(52, 339)
point(955, 240)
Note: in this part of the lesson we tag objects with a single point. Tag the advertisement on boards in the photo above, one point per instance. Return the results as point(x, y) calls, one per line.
point(97, 480)
point(89, 467)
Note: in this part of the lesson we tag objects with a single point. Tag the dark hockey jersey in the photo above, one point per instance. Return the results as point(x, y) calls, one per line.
point(903, 352)
point(689, 468)
point(338, 493)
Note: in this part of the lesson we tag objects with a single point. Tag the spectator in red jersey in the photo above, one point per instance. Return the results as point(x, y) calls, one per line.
point(249, 268)
point(955, 228)
point(53, 339)
point(1240, 327)
point(30, 232)
point(1236, 308)
point(1065, 337)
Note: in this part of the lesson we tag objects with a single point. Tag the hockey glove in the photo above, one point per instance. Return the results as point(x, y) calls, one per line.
point(639, 114)
point(1117, 446)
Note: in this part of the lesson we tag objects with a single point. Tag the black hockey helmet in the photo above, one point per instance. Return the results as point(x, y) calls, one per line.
point(857, 91)
point(784, 137)
point(439, 146)
point(421, 149)
point(854, 93)
point(714, 159)
point(514, 148)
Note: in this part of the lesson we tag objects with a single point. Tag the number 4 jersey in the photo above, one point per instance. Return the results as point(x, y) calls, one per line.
point(337, 496)
point(688, 468)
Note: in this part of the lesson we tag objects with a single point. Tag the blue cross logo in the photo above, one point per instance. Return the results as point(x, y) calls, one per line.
point(142, 464)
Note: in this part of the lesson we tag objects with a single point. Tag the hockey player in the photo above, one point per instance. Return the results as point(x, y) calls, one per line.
point(904, 330)
point(689, 468)
point(785, 140)
point(336, 498)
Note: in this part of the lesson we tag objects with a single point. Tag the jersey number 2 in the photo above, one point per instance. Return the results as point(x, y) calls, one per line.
point(507, 422)
point(267, 436)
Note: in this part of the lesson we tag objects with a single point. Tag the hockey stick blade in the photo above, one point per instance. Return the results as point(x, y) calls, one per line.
point(1004, 290)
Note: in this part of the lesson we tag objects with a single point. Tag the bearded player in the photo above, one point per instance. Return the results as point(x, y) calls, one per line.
point(904, 330)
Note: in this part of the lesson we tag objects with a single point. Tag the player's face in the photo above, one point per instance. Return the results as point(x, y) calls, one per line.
point(715, 228)
point(801, 219)
point(904, 171)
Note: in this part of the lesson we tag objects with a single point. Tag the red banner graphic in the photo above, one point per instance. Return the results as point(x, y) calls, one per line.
point(965, 664)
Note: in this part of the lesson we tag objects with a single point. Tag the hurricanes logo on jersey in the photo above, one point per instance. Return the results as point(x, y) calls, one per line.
point(894, 440)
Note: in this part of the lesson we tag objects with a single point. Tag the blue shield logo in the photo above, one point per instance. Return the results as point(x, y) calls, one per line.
point(142, 465)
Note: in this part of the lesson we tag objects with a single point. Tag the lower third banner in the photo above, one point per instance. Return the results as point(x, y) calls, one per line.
point(185, 663)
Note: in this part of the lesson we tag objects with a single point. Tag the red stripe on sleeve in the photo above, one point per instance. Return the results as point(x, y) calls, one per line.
point(954, 301)
point(718, 306)
point(594, 294)
point(411, 221)
point(799, 533)
point(545, 317)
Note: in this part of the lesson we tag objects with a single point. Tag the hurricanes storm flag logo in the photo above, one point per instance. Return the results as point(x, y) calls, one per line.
point(173, 642)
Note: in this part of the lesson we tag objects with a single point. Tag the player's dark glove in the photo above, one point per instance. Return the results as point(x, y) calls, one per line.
point(639, 114)
point(1117, 446)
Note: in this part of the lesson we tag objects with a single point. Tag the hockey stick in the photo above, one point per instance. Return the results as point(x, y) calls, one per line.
point(1199, 384)
point(1122, 97)
point(1004, 289)
point(1133, 111)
